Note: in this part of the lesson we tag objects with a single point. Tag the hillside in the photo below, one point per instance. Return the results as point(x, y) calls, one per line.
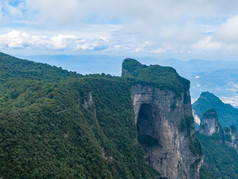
point(59, 124)
point(220, 159)
point(14, 68)
point(50, 127)
point(227, 114)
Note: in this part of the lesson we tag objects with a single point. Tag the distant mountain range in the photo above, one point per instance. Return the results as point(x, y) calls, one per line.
point(227, 114)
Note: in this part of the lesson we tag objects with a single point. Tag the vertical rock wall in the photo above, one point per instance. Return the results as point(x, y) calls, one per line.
point(158, 116)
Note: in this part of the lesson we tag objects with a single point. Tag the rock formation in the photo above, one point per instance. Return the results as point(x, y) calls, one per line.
point(210, 126)
point(231, 137)
point(209, 123)
point(165, 125)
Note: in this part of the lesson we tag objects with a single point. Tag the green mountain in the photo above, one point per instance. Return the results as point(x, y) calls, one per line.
point(219, 146)
point(220, 160)
point(155, 75)
point(50, 127)
point(227, 114)
point(59, 124)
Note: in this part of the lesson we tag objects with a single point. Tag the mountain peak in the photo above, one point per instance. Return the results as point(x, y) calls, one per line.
point(129, 65)
point(210, 114)
point(227, 114)
point(154, 75)
point(209, 123)
point(209, 95)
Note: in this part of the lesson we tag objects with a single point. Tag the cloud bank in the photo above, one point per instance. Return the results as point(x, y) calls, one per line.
point(138, 26)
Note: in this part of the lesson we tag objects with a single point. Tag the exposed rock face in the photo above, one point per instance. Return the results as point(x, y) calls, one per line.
point(209, 123)
point(158, 115)
point(163, 116)
point(231, 137)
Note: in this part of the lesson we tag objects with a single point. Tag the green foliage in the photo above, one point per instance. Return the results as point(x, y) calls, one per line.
point(14, 68)
point(220, 160)
point(227, 114)
point(233, 129)
point(156, 76)
point(130, 65)
point(47, 132)
point(227, 137)
point(195, 163)
point(187, 124)
point(205, 173)
point(195, 147)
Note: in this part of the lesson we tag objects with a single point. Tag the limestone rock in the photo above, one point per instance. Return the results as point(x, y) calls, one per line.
point(209, 123)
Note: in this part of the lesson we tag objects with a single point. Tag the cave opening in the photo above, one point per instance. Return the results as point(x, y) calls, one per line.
point(145, 126)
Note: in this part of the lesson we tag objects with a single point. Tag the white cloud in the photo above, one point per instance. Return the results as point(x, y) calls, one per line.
point(177, 27)
point(197, 77)
point(232, 100)
point(196, 119)
point(0, 13)
point(235, 85)
point(19, 39)
point(159, 50)
point(228, 32)
point(207, 44)
point(54, 11)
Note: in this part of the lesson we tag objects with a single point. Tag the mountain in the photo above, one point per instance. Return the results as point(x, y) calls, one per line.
point(56, 124)
point(209, 123)
point(59, 124)
point(220, 146)
point(163, 116)
point(204, 75)
point(227, 114)
point(222, 82)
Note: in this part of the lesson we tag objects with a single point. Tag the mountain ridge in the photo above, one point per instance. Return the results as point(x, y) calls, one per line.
point(227, 114)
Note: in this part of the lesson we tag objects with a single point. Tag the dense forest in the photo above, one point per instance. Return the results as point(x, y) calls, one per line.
point(220, 160)
point(58, 124)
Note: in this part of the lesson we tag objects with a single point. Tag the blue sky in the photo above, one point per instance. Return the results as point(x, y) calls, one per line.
point(182, 29)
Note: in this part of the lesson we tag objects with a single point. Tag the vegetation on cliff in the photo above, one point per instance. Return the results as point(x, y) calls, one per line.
point(155, 75)
point(49, 127)
point(220, 160)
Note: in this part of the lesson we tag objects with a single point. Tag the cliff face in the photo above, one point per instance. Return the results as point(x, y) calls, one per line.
point(166, 129)
point(209, 123)
point(231, 137)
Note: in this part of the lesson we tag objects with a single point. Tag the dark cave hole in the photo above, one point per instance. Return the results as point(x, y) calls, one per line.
point(145, 126)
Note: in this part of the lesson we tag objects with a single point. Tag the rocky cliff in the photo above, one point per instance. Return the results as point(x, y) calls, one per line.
point(209, 123)
point(231, 137)
point(163, 116)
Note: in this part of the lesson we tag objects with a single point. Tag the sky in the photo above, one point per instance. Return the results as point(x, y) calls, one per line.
point(184, 29)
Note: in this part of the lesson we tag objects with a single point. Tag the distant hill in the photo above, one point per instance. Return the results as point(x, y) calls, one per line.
point(227, 114)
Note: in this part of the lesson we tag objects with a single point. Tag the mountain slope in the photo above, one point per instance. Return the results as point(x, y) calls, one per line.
point(219, 146)
point(220, 159)
point(227, 114)
point(56, 124)
point(14, 68)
